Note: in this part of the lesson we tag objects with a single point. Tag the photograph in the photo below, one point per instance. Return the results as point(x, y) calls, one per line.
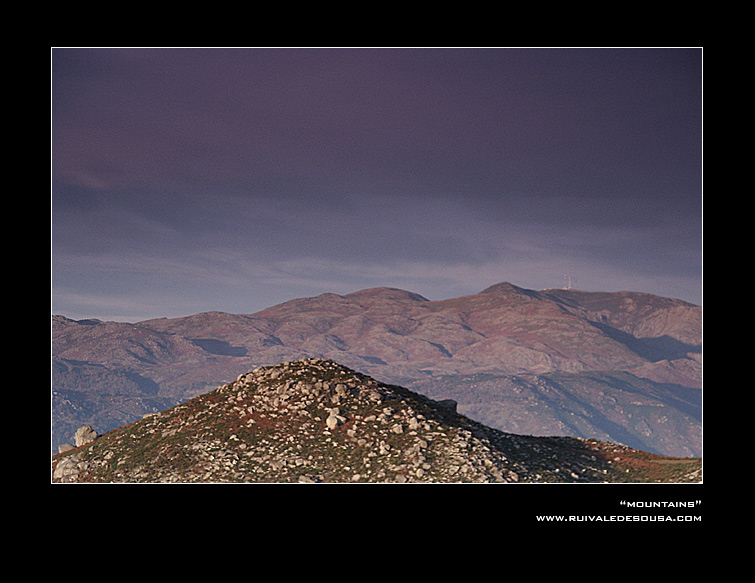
point(473, 271)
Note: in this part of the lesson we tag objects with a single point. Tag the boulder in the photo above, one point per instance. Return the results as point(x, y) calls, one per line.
point(334, 418)
point(67, 467)
point(449, 404)
point(85, 434)
point(332, 422)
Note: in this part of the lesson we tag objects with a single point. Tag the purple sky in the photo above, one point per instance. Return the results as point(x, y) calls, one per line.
point(189, 180)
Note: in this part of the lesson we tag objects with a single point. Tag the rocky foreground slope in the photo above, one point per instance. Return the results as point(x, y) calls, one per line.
point(313, 420)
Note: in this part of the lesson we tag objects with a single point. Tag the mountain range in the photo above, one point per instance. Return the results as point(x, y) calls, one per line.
point(624, 367)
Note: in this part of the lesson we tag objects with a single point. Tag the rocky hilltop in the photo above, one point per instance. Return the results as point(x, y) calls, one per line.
point(622, 367)
point(313, 420)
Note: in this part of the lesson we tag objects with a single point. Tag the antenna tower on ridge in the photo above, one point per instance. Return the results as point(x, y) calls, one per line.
point(567, 281)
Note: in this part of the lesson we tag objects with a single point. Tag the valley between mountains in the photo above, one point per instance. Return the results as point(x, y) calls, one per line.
point(619, 367)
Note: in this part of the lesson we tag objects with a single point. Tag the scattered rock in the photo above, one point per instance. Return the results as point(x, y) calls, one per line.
point(448, 404)
point(334, 418)
point(267, 426)
point(66, 468)
point(84, 434)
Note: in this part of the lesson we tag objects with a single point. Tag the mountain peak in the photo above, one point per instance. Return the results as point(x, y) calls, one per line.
point(314, 420)
point(506, 287)
point(386, 293)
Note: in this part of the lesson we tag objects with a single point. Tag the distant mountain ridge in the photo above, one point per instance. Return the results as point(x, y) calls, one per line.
point(621, 366)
